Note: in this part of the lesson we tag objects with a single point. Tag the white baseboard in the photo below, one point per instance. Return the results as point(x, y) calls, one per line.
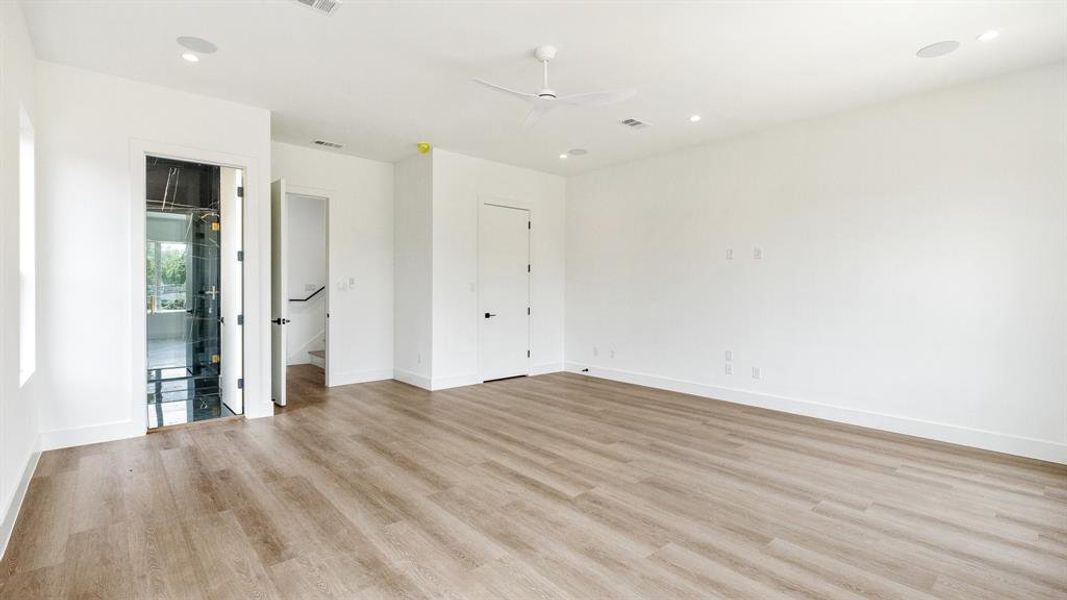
point(977, 438)
point(411, 378)
point(546, 368)
point(80, 436)
point(350, 377)
point(11, 511)
point(454, 381)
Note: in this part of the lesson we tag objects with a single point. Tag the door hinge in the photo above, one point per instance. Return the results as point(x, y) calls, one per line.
point(240, 256)
point(528, 225)
point(527, 354)
point(527, 310)
point(527, 268)
point(241, 383)
point(240, 191)
point(240, 319)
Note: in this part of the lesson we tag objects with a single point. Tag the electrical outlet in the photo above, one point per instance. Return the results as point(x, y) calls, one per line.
point(757, 373)
point(729, 254)
point(729, 355)
point(612, 353)
point(757, 252)
point(728, 369)
point(596, 351)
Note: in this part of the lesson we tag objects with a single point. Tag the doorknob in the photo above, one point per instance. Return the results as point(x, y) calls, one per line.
point(487, 315)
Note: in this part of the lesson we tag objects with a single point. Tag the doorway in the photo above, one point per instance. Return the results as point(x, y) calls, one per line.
point(194, 291)
point(503, 291)
point(300, 293)
point(306, 266)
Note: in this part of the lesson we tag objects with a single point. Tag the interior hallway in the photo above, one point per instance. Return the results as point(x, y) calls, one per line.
point(551, 486)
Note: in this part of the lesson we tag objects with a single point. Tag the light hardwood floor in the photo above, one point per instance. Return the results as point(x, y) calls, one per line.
point(548, 487)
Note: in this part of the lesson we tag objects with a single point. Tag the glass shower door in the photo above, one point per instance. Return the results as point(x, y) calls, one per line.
point(183, 277)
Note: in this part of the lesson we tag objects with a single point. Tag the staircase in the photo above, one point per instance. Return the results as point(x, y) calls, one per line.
point(317, 358)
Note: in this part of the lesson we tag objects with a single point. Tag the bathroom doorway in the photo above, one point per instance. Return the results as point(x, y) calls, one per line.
point(193, 291)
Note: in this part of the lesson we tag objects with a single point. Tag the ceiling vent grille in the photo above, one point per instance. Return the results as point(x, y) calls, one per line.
point(328, 144)
point(323, 6)
point(634, 123)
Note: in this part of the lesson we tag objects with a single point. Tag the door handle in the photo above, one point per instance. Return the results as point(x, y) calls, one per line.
point(488, 315)
point(279, 321)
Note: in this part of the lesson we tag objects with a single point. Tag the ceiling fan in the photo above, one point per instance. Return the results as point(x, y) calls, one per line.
point(547, 99)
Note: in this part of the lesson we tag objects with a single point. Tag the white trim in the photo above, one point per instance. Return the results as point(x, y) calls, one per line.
point(411, 378)
point(11, 512)
point(92, 434)
point(954, 434)
point(546, 368)
point(454, 381)
point(366, 376)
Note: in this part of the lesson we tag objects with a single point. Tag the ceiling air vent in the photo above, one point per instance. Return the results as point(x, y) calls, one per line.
point(328, 144)
point(323, 6)
point(634, 123)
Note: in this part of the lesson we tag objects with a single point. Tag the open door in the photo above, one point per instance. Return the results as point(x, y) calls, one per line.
point(279, 292)
point(231, 208)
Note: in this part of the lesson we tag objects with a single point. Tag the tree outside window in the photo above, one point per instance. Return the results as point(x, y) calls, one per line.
point(165, 272)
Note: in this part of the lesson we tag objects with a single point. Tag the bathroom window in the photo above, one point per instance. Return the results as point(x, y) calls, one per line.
point(166, 264)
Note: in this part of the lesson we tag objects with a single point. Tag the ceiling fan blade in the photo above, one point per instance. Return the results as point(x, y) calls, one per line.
point(535, 114)
point(509, 91)
point(603, 98)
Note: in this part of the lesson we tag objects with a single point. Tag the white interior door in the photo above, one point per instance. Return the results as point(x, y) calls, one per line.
point(503, 292)
point(279, 288)
point(232, 288)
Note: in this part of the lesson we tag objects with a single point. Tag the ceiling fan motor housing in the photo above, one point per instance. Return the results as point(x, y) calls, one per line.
point(545, 53)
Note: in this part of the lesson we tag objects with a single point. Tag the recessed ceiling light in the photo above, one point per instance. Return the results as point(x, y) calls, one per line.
point(577, 152)
point(989, 36)
point(190, 57)
point(198, 45)
point(694, 118)
point(938, 49)
point(562, 156)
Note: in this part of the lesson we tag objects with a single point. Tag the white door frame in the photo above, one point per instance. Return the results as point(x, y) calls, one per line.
point(327, 195)
point(256, 327)
point(502, 202)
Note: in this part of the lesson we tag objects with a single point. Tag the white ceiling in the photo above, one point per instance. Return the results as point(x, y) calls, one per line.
point(381, 76)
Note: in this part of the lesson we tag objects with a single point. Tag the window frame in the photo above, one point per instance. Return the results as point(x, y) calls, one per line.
point(27, 247)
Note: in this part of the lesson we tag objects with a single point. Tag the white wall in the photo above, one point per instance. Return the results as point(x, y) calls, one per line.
point(413, 276)
point(360, 212)
point(307, 273)
point(307, 245)
point(18, 403)
point(460, 183)
point(92, 127)
point(913, 279)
